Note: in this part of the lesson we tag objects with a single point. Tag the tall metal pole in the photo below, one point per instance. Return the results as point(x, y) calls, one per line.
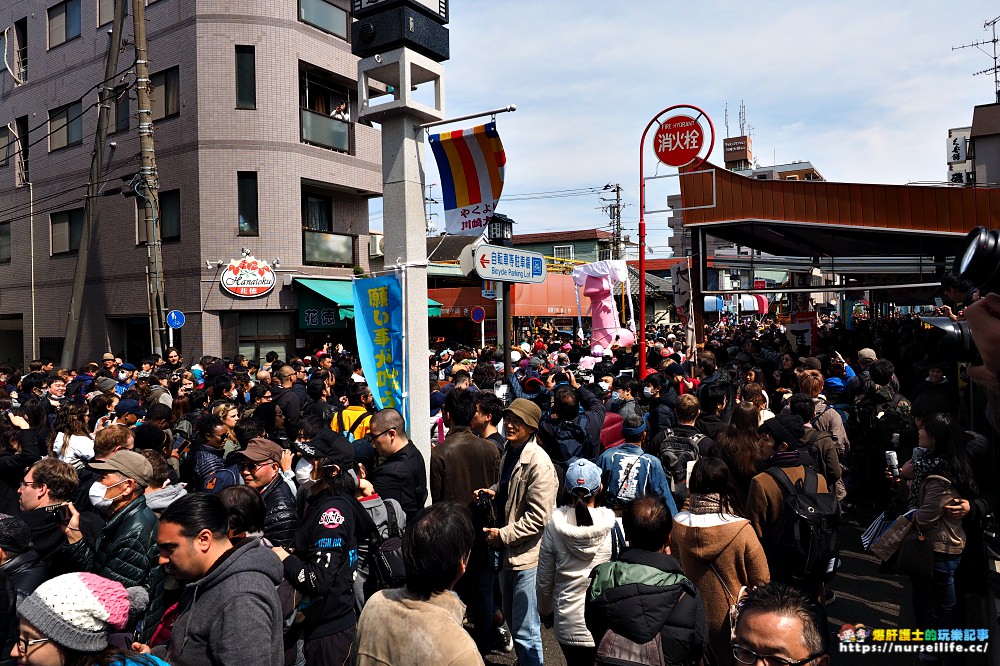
point(104, 92)
point(508, 337)
point(148, 180)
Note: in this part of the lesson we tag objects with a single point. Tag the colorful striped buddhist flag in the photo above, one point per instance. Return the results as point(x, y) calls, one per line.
point(471, 164)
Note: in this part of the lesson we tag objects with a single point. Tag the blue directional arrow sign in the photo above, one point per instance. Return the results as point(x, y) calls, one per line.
point(505, 264)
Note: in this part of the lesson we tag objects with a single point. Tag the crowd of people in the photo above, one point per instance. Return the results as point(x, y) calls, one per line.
point(223, 512)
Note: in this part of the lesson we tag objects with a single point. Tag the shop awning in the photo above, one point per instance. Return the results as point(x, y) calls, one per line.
point(341, 293)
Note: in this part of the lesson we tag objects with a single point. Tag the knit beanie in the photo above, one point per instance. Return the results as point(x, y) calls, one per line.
point(786, 428)
point(79, 610)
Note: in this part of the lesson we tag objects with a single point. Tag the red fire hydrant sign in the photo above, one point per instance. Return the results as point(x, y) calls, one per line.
point(678, 141)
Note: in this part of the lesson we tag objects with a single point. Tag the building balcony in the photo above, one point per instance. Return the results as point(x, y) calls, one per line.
point(321, 130)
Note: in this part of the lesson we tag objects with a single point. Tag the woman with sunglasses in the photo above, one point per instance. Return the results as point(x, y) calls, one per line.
point(71, 621)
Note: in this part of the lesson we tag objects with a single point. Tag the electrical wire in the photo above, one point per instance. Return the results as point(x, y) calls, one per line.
point(80, 115)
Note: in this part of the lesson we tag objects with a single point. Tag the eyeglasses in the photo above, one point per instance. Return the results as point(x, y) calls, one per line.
point(25, 484)
point(23, 644)
point(746, 656)
point(250, 466)
point(266, 396)
point(374, 437)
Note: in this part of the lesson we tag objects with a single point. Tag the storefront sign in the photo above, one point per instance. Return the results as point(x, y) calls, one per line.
point(378, 316)
point(248, 277)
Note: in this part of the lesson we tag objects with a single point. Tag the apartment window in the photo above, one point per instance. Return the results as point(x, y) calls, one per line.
point(67, 228)
point(4, 242)
point(323, 114)
point(105, 11)
point(66, 126)
point(170, 217)
point(325, 16)
point(119, 117)
point(317, 212)
point(246, 186)
point(562, 251)
point(604, 255)
point(166, 93)
point(320, 246)
point(246, 78)
point(64, 22)
point(4, 145)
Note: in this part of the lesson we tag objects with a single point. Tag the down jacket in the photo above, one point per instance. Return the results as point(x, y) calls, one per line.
point(231, 616)
point(126, 551)
point(569, 552)
point(645, 594)
point(281, 519)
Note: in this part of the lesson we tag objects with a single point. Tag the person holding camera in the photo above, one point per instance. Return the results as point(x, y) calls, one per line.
point(459, 465)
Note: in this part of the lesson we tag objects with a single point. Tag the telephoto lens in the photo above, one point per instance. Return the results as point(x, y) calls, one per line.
point(979, 259)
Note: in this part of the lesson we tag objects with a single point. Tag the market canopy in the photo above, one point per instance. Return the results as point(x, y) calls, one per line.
point(341, 293)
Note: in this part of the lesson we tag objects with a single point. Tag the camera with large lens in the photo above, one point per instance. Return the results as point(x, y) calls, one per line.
point(978, 263)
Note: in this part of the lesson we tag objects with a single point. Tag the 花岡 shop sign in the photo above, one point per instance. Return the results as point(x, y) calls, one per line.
point(248, 277)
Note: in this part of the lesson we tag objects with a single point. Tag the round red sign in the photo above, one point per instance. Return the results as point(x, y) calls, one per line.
point(678, 141)
point(248, 278)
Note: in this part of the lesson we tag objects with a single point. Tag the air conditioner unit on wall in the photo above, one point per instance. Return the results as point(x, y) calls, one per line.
point(376, 245)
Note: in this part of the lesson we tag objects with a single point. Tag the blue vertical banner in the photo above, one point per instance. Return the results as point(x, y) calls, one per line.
point(378, 317)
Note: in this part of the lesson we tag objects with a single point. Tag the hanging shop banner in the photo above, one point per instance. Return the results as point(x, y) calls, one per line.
point(378, 316)
point(471, 164)
point(248, 277)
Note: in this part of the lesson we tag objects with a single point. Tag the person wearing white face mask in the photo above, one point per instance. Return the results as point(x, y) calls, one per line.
point(126, 549)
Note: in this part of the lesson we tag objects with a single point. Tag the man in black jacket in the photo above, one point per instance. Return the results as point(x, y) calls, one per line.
point(126, 550)
point(645, 594)
point(259, 465)
point(48, 486)
point(18, 560)
point(573, 428)
point(288, 400)
point(402, 476)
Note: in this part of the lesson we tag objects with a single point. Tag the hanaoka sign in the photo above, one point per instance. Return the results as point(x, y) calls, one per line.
point(248, 277)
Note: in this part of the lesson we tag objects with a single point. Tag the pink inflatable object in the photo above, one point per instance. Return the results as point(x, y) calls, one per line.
point(605, 329)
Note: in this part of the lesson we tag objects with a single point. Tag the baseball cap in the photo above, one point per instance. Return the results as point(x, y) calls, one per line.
point(129, 407)
point(867, 354)
point(127, 463)
point(260, 450)
point(526, 410)
point(811, 362)
point(108, 357)
point(446, 352)
point(127, 367)
point(332, 445)
point(320, 354)
point(583, 475)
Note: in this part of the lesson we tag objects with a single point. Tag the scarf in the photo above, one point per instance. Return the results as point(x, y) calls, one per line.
point(923, 468)
point(702, 504)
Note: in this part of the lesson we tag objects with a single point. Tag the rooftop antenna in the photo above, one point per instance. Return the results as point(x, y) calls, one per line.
point(727, 119)
point(995, 69)
point(743, 118)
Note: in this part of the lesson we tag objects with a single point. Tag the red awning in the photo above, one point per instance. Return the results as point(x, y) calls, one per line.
point(552, 298)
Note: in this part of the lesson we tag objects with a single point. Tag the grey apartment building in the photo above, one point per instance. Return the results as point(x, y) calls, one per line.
point(254, 149)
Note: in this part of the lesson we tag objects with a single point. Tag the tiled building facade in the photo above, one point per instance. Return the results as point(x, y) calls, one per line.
point(252, 152)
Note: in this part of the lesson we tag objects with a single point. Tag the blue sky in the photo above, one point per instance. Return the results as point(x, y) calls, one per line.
point(866, 91)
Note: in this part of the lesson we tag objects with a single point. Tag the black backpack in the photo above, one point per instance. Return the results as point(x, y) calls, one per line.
point(569, 440)
point(676, 451)
point(386, 567)
point(808, 541)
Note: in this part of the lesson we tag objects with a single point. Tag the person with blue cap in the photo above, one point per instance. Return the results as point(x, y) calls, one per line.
point(124, 378)
point(629, 472)
point(578, 537)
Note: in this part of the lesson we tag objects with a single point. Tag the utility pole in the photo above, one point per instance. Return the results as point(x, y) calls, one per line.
point(146, 185)
point(104, 92)
point(614, 211)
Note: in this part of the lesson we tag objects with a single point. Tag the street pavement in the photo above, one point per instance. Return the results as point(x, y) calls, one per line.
point(863, 596)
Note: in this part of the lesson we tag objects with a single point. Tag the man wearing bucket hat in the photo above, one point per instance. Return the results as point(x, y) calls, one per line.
point(126, 549)
point(524, 497)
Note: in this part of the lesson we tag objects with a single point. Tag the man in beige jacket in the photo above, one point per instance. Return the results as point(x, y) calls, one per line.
point(526, 494)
